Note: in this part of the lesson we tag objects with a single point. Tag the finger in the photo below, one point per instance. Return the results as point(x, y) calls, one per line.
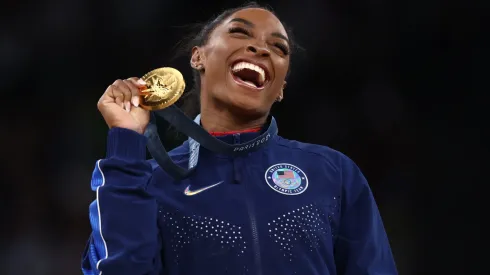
point(123, 87)
point(116, 95)
point(138, 81)
point(135, 89)
point(140, 85)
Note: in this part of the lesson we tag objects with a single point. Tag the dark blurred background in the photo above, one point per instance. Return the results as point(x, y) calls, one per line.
point(388, 83)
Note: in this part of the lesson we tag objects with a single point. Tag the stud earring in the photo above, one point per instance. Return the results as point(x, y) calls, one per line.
point(197, 67)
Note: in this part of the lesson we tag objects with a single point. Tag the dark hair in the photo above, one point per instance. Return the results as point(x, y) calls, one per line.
point(190, 103)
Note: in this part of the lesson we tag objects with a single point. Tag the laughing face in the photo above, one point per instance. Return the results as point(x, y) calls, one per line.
point(245, 61)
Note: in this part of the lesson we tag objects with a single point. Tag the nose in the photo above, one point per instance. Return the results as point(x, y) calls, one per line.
point(258, 50)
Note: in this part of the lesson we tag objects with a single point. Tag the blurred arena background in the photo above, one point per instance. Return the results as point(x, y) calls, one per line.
point(375, 81)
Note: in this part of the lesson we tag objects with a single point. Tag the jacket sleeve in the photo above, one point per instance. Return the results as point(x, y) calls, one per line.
point(362, 246)
point(123, 217)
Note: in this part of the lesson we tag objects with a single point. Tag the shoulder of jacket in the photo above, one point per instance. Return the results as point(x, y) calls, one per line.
point(325, 153)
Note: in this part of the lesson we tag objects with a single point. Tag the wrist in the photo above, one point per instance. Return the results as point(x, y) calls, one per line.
point(126, 143)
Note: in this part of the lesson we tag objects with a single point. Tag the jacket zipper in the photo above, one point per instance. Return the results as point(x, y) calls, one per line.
point(255, 234)
point(253, 223)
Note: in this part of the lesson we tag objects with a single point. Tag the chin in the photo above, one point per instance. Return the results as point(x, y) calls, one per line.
point(243, 101)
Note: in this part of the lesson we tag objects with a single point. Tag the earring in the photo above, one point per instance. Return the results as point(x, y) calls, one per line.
point(197, 67)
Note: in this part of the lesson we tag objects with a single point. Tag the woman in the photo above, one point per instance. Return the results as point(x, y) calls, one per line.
point(285, 208)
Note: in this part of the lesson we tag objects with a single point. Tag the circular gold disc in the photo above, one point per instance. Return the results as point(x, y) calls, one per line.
point(164, 87)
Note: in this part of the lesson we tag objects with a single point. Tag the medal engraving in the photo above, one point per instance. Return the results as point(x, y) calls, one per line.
point(164, 87)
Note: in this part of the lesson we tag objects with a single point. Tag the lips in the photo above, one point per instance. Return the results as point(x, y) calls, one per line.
point(250, 74)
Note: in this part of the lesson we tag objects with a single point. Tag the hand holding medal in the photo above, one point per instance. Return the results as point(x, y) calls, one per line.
point(156, 90)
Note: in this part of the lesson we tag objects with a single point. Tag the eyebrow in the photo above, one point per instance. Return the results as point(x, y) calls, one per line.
point(252, 25)
point(244, 21)
point(280, 35)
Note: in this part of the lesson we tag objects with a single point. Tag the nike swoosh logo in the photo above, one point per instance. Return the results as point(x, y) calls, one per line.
point(189, 192)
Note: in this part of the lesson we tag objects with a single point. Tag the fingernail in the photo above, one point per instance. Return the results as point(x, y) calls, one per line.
point(135, 100)
point(128, 106)
point(141, 81)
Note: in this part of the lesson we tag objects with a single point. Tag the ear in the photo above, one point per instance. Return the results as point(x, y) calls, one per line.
point(196, 59)
point(281, 94)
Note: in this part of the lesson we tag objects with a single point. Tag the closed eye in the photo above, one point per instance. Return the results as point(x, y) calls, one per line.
point(239, 30)
point(283, 48)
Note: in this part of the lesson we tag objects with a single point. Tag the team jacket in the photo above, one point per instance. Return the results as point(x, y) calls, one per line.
point(287, 208)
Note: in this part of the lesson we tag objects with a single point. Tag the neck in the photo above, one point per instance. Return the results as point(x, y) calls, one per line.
point(224, 121)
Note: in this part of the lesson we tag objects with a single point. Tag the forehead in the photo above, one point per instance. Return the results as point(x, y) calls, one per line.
point(262, 19)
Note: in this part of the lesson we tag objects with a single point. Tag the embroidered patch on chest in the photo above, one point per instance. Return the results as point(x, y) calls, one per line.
point(286, 179)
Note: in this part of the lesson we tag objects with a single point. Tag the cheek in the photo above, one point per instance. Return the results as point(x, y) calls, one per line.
point(217, 52)
point(282, 69)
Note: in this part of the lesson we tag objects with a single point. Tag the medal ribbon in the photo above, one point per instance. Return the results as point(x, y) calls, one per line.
point(198, 136)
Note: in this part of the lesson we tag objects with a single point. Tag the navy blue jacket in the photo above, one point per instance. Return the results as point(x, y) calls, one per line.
point(287, 208)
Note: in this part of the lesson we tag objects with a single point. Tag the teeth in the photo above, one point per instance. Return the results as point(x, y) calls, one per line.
point(245, 65)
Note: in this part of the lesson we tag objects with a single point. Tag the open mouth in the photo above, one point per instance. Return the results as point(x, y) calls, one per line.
point(249, 75)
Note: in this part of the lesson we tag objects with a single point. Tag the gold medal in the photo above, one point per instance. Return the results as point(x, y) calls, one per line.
point(164, 87)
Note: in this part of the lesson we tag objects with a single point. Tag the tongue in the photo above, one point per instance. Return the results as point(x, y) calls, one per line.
point(247, 76)
point(249, 83)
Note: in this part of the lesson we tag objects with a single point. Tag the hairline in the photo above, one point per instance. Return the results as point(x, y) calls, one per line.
point(219, 21)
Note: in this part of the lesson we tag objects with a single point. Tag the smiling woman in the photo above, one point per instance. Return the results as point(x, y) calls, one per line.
point(281, 207)
point(250, 48)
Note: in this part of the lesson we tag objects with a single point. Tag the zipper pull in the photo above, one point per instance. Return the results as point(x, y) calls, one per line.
point(236, 138)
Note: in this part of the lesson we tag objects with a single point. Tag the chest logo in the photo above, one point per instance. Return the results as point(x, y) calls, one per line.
point(189, 192)
point(286, 179)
